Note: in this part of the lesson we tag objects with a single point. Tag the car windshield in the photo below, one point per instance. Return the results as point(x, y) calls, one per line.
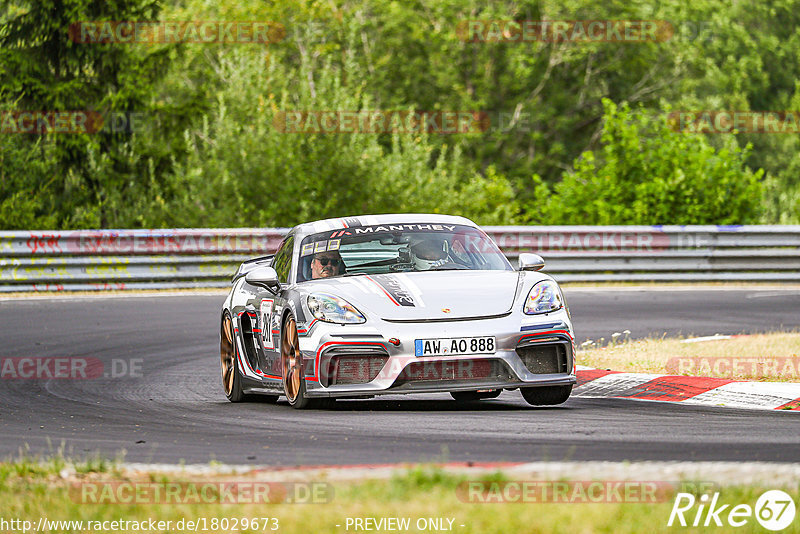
point(392, 248)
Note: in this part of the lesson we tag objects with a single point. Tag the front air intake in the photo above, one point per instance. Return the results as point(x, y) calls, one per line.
point(353, 369)
point(544, 358)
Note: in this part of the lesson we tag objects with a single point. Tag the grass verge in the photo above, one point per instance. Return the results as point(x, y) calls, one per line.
point(760, 357)
point(421, 494)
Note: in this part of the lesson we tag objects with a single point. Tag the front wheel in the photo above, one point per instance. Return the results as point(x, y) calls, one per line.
point(546, 396)
point(294, 384)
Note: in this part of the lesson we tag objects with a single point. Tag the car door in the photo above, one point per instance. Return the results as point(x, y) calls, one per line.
point(270, 309)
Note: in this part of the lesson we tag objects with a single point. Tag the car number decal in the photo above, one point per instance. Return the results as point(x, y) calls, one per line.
point(454, 346)
point(266, 324)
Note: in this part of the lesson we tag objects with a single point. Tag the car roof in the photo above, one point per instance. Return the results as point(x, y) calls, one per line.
point(302, 230)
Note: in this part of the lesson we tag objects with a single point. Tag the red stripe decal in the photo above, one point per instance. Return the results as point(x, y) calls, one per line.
point(544, 333)
point(791, 405)
point(384, 291)
point(585, 377)
point(676, 388)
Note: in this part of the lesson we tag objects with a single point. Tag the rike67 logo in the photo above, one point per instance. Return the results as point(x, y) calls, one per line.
point(774, 510)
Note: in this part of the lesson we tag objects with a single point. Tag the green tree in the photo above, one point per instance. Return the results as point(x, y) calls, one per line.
point(646, 173)
point(87, 178)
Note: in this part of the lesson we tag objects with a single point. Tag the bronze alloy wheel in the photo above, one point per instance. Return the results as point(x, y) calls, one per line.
point(231, 379)
point(227, 355)
point(291, 362)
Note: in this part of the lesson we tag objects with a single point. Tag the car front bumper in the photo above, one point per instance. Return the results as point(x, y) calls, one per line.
point(359, 360)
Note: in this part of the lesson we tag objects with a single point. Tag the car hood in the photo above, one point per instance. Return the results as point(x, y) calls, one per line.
point(425, 295)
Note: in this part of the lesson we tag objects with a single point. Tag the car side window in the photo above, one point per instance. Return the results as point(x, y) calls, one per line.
point(282, 263)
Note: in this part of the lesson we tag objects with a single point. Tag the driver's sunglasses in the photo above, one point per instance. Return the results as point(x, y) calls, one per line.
point(325, 261)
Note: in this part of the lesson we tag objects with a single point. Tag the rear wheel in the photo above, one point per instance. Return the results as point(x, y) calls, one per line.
point(231, 381)
point(468, 396)
point(546, 396)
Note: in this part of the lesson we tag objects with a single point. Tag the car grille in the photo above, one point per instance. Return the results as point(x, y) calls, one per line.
point(474, 370)
point(544, 358)
point(353, 369)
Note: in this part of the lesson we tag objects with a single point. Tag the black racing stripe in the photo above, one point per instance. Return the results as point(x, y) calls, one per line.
point(393, 286)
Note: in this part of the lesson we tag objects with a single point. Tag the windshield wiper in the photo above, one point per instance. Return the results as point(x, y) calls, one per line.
point(450, 267)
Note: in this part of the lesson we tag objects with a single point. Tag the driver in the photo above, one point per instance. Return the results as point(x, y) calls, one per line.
point(428, 253)
point(327, 264)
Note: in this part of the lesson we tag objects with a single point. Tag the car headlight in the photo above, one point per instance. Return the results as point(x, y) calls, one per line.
point(544, 297)
point(333, 309)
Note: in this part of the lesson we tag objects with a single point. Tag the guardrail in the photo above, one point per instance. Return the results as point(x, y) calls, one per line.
point(206, 258)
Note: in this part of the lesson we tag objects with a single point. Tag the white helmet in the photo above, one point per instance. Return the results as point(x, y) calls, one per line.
point(428, 253)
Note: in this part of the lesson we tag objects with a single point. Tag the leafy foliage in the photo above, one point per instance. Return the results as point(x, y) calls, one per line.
point(646, 173)
point(577, 133)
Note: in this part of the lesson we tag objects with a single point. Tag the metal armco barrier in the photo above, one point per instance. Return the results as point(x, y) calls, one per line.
point(206, 258)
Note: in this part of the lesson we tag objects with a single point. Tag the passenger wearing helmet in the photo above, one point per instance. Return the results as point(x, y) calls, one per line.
point(428, 253)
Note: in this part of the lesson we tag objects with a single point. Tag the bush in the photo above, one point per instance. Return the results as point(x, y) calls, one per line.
point(647, 173)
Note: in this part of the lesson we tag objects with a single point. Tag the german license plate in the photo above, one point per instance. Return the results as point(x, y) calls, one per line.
point(454, 346)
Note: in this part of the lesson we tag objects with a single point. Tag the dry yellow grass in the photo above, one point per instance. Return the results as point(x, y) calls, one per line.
point(763, 357)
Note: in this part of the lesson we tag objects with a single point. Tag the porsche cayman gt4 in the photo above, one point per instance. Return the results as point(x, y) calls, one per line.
point(389, 304)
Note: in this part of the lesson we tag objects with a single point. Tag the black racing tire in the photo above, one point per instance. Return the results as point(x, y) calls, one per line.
point(546, 396)
point(469, 396)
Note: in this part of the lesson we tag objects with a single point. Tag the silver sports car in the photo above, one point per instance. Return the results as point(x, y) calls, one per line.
point(388, 304)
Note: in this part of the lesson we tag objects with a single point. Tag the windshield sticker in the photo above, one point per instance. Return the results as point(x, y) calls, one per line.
point(320, 246)
point(358, 230)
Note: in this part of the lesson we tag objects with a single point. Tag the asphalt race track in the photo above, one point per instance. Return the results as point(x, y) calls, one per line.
point(175, 409)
